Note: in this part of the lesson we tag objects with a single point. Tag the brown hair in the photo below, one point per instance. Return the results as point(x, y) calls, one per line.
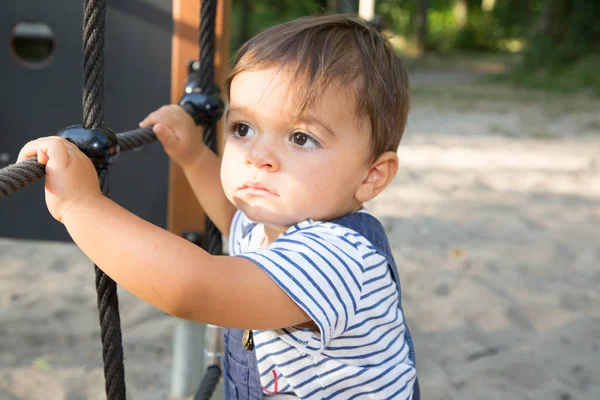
point(336, 49)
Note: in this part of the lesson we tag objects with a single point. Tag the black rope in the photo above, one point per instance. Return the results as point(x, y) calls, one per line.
point(206, 73)
point(206, 70)
point(212, 242)
point(18, 176)
point(94, 23)
point(136, 138)
point(209, 383)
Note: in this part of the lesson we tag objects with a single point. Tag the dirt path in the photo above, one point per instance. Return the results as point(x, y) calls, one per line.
point(495, 218)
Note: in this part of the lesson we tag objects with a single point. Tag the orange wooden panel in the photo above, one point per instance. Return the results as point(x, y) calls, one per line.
point(184, 213)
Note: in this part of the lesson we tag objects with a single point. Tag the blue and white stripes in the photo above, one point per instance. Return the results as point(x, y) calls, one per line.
point(339, 279)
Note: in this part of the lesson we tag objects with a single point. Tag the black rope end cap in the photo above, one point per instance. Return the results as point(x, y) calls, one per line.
point(101, 145)
point(206, 109)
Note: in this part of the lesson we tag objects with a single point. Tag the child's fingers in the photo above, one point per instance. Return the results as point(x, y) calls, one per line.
point(32, 149)
point(162, 115)
point(59, 152)
point(53, 147)
point(42, 156)
point(164, 134)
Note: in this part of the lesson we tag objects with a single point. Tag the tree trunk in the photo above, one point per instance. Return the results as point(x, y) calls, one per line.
point(333, 6)
point(488, 5)
point(460, 13)
point(421, 22)
point(349, 6)
point(244, 24)
point(544, 25)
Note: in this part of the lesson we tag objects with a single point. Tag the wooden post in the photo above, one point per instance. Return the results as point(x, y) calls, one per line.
point(184, 212)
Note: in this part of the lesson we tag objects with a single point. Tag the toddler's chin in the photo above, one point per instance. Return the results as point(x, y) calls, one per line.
point(268, 217)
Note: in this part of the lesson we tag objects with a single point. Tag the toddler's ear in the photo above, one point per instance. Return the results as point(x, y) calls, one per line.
point(379, 175)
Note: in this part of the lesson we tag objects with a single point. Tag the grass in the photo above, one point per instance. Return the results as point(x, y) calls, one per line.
point(503, 89)
point(580, 76)
point(593, 126)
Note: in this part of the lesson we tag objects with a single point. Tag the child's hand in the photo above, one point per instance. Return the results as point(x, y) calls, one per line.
point(70, 175)
point(177, 132)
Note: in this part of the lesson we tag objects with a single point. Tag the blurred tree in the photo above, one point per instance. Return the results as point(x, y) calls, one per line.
point(566, 30)
point(488, 5)
point(421, 23)
point(342, 6)
point(250, 17)
point(563, 51)
point(460, 13)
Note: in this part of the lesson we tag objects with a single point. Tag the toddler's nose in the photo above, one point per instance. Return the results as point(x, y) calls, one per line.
point(263, 156)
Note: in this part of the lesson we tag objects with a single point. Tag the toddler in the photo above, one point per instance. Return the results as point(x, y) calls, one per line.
point(310, 293)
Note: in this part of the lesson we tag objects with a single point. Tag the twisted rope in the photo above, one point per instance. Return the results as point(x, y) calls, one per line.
point(206, 70)
point(18, 176)
point(206, 74)
point(212, 242)
point(209, 383)
point(94, 25)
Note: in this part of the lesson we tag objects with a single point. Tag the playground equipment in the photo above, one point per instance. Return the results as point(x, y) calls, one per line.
point(136, 86)
point(200, 99)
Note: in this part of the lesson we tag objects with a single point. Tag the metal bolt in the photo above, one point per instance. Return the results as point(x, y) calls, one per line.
point(4, 159)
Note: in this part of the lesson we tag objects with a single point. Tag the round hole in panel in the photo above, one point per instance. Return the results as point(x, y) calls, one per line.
point(32, 44)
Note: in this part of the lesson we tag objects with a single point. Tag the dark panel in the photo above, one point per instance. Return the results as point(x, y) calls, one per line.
point(41, 102)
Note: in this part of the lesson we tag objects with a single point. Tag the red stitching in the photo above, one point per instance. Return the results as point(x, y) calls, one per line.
point(275, 384)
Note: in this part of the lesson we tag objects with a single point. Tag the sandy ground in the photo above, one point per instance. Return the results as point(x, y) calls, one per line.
point(494, 219)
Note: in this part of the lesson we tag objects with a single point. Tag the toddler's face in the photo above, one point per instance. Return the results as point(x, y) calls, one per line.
point(280, 170)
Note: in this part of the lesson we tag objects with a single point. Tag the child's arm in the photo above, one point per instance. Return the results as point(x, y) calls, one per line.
point(175, 275)
point(178, 134)
point(153, 264)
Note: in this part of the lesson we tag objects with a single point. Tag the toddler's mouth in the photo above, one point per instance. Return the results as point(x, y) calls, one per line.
point(256, 188)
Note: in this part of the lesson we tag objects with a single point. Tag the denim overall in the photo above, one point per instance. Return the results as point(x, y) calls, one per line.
point(242, 380)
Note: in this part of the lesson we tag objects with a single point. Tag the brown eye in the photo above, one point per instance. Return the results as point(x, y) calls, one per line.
point(242, 130)
point(300, 138)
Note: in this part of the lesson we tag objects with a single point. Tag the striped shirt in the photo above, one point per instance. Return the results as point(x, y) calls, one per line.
point(339, 279)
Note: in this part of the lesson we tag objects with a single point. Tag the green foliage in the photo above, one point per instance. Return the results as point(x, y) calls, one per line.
point(398, 14)
point(481, 32)
point(514, 18)
point(266, 13)
point(571, 32)
point(563, 53)
point(443, 31)
point(579, 75)
point(262, 14)
point(561, 36)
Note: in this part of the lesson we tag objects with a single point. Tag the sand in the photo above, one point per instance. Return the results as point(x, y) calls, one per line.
point(494, 221)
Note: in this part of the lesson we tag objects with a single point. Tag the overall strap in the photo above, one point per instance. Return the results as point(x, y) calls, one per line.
point(369, 227)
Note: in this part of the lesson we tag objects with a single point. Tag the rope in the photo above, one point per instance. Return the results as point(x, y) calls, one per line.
point(206, 70)
point(136, 138)
point(94, 17)
point(212, 242)
point(94, 23)
point(209, 383)
point(206, 74)
point(18, 176)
